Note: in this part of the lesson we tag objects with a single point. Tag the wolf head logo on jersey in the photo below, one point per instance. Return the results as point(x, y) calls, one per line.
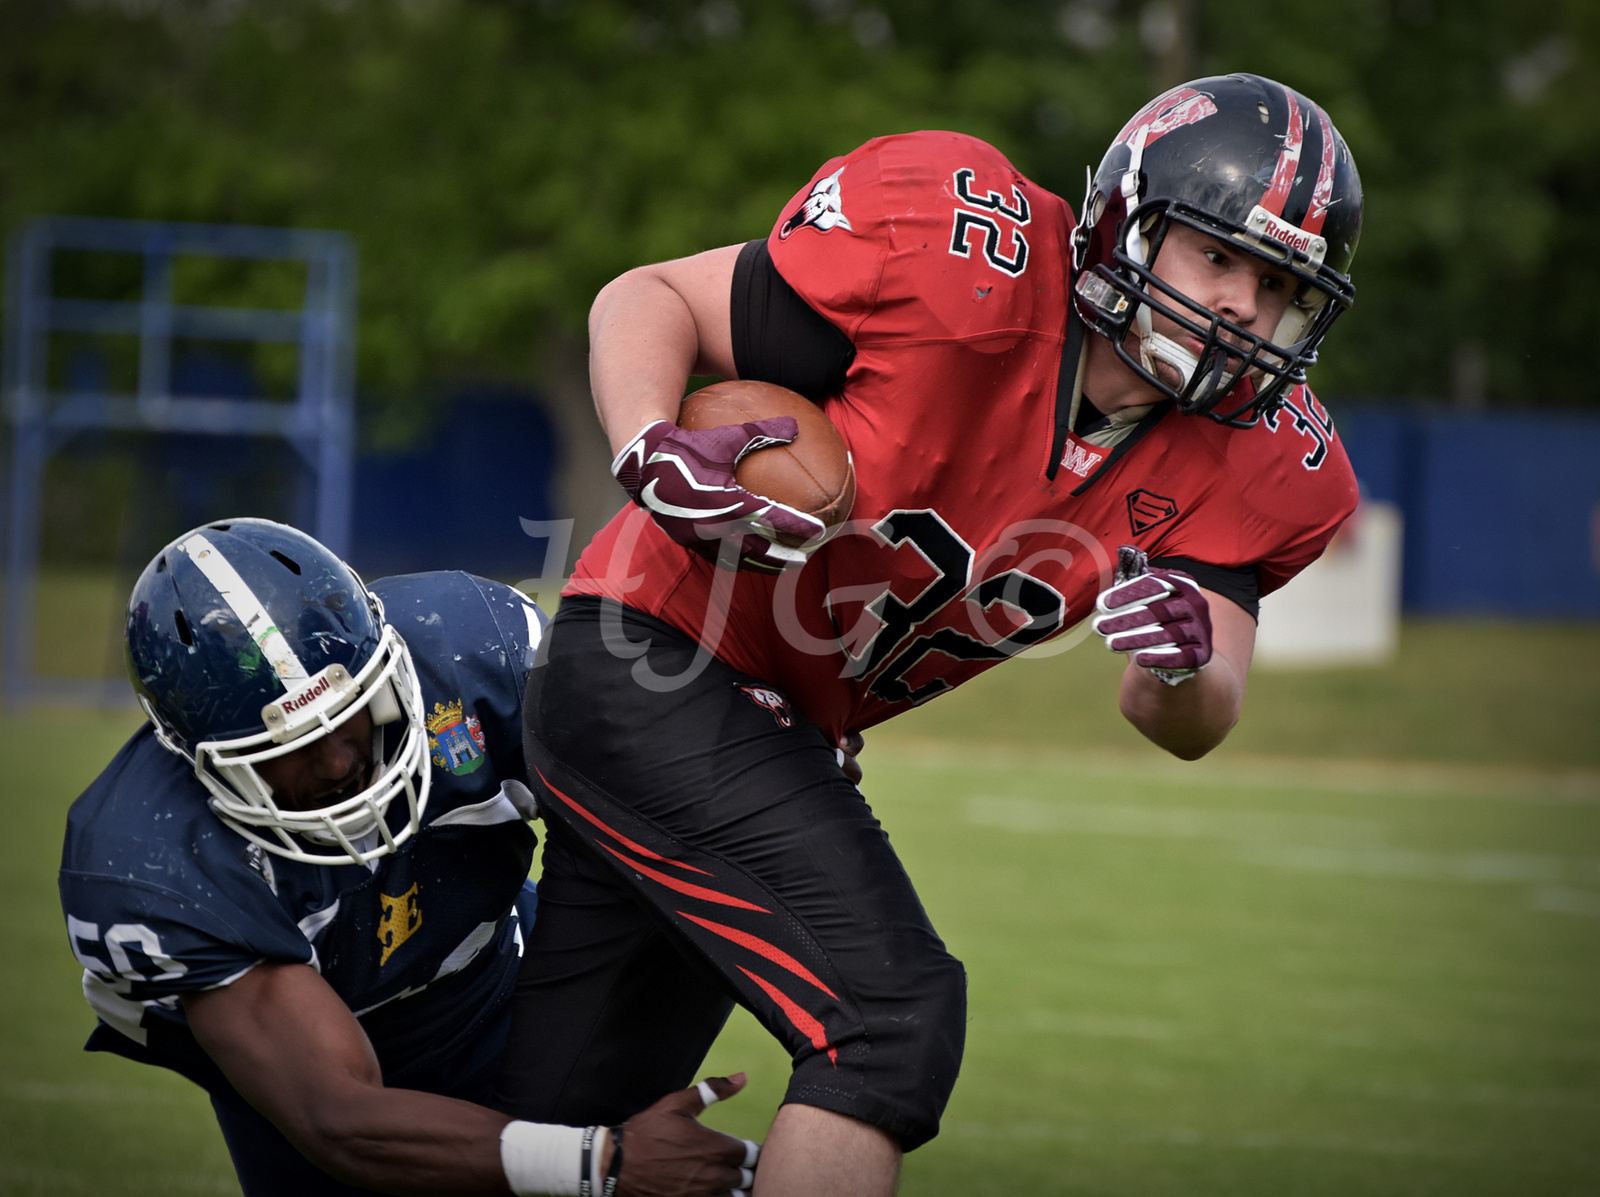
point(824, 208)
point(772, 701)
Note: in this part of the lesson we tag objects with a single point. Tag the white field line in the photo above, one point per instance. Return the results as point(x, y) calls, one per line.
point(1186, 1136)
point(1303, 843)
point(1239, 770)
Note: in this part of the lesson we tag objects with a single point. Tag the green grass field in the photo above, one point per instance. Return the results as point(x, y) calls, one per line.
point(1357, 950)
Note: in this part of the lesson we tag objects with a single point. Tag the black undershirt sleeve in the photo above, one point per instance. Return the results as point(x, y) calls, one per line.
point(777, 336)
point(1241, 584)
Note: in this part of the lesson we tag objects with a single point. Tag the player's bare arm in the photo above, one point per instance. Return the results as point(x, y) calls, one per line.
point(295, 1052)
point(648, 330)
point(1188, 650)
point(1191, 719)
point(652, 327)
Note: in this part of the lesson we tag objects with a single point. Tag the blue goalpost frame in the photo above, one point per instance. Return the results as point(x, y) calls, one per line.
point(318, 422)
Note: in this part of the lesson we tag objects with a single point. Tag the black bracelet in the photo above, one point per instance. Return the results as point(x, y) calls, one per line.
point(614, 1168)
point(586, 1163)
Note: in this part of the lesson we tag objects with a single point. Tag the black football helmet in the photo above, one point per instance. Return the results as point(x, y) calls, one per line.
point(1249, 162)
point(248, 640)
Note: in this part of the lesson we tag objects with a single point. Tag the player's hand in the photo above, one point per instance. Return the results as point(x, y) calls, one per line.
point(1158, 615)
point(849, 748)
point(685, 480)
point(667, 1153)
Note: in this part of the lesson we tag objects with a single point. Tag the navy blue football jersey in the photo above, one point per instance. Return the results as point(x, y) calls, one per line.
point(162, 899)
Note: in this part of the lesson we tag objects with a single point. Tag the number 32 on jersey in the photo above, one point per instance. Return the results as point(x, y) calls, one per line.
point(899, 642)
point(984, 222)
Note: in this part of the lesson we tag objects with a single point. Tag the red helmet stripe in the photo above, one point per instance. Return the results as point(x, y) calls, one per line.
point(1321, 197)
point(1288, 160)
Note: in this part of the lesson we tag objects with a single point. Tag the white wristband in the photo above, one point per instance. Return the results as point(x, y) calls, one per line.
point(539, 1158)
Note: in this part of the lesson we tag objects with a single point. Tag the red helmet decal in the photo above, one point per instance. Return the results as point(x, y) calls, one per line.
point(1171, 110)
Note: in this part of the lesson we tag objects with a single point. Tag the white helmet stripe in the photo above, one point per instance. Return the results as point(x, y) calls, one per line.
point(242, 601)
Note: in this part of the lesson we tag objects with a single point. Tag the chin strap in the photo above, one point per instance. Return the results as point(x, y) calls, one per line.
point(1154, 347)
point(1130, 193)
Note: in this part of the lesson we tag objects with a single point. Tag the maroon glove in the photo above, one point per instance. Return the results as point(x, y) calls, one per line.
point(1159, 615)
point(685, 479)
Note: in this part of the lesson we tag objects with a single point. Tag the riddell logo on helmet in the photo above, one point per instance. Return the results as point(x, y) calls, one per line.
point(1265, 224)
point(294, 702)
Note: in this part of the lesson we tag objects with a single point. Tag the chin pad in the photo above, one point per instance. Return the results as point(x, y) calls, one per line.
point(1154, 347)
point(1157, 348)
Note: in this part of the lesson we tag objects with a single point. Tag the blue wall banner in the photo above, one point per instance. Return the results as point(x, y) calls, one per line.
point(1502, 510)
point(455, 501)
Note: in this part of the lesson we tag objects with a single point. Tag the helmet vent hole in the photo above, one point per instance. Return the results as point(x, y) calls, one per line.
point(288, 563)
point(161, 564)
point(1261, 107)
point(184, 633)
point(220, 527)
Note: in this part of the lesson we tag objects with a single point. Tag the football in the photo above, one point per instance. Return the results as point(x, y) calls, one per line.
point(813, 473)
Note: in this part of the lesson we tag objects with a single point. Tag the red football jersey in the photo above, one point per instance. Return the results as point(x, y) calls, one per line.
point(949, 272)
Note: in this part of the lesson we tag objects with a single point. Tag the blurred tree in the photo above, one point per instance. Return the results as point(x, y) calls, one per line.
point(498, 160)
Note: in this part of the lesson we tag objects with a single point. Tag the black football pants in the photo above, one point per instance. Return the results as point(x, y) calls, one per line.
point(704, 848)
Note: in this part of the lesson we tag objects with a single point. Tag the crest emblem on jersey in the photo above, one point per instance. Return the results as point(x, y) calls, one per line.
point(770, 700)
point(399, 921)
point(1147, 510)
point(823, 209)
point(455, 739)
